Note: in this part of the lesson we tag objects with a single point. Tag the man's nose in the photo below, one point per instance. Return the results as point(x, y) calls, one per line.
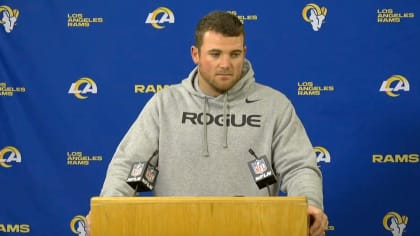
point(225, 61)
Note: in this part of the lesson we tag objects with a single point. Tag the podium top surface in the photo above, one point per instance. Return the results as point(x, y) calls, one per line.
point(137, 200)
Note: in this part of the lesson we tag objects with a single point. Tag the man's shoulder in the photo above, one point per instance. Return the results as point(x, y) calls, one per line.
point(269, 92)
point(171, 93)
point(170, 89)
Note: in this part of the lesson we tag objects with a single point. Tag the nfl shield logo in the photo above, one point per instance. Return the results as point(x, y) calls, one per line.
point(259, 166)
point(150, 174)
point(137, 169)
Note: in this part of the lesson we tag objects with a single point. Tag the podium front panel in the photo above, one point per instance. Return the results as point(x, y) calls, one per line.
point(199, 216)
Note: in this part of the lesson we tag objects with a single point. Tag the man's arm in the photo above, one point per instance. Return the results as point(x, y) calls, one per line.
point(295, 160)
point(138, 144)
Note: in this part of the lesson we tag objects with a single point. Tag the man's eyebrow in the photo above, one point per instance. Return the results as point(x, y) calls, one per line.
point(219, 50)
point(237, 50)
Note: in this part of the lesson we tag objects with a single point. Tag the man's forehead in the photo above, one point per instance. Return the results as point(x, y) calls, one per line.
point(217, 41)
point(213, 35)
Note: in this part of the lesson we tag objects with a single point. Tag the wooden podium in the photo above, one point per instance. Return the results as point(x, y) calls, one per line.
point(199, 216)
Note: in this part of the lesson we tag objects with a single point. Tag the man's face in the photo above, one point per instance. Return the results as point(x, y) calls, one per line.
point(220, 61)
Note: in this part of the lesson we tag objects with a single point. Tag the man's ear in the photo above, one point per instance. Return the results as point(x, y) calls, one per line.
point(194, 54)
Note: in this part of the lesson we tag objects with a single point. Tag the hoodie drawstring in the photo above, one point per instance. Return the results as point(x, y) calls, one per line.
point(225, 145)
point(205, 142)
point(205, 150)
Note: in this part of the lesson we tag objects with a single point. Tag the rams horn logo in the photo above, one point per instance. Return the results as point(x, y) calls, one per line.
point(316, 17)
point(9, 18)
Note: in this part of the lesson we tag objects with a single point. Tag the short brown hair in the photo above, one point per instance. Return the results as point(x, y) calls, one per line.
point(221, 22)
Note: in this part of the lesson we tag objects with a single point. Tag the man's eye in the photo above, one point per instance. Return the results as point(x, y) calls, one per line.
point(234, 55)
point(214, 54)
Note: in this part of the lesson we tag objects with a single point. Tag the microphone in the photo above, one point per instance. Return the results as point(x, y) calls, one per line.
point(261, 171)
point(142, 176)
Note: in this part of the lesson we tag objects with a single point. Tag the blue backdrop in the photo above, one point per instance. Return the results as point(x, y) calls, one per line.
point(75, 74)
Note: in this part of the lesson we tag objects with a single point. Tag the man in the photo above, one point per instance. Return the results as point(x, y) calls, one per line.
point(204, 127)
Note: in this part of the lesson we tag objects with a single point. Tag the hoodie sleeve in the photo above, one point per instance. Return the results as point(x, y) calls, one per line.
point(295, 160)
point(138, 144)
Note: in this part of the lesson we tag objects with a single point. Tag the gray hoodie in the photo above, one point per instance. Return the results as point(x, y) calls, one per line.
point(198, 158)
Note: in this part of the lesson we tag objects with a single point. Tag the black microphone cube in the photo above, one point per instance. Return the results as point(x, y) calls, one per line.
point(142, 176)
point(262, 172)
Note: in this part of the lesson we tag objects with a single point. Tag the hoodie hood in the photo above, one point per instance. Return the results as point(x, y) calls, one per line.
point(232, 96)
point(238, 91)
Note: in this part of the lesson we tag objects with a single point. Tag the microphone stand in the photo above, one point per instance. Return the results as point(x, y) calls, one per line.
point(268, 190)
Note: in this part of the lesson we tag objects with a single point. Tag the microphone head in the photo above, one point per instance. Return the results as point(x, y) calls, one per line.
point(142, 176)
point(262, 172)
